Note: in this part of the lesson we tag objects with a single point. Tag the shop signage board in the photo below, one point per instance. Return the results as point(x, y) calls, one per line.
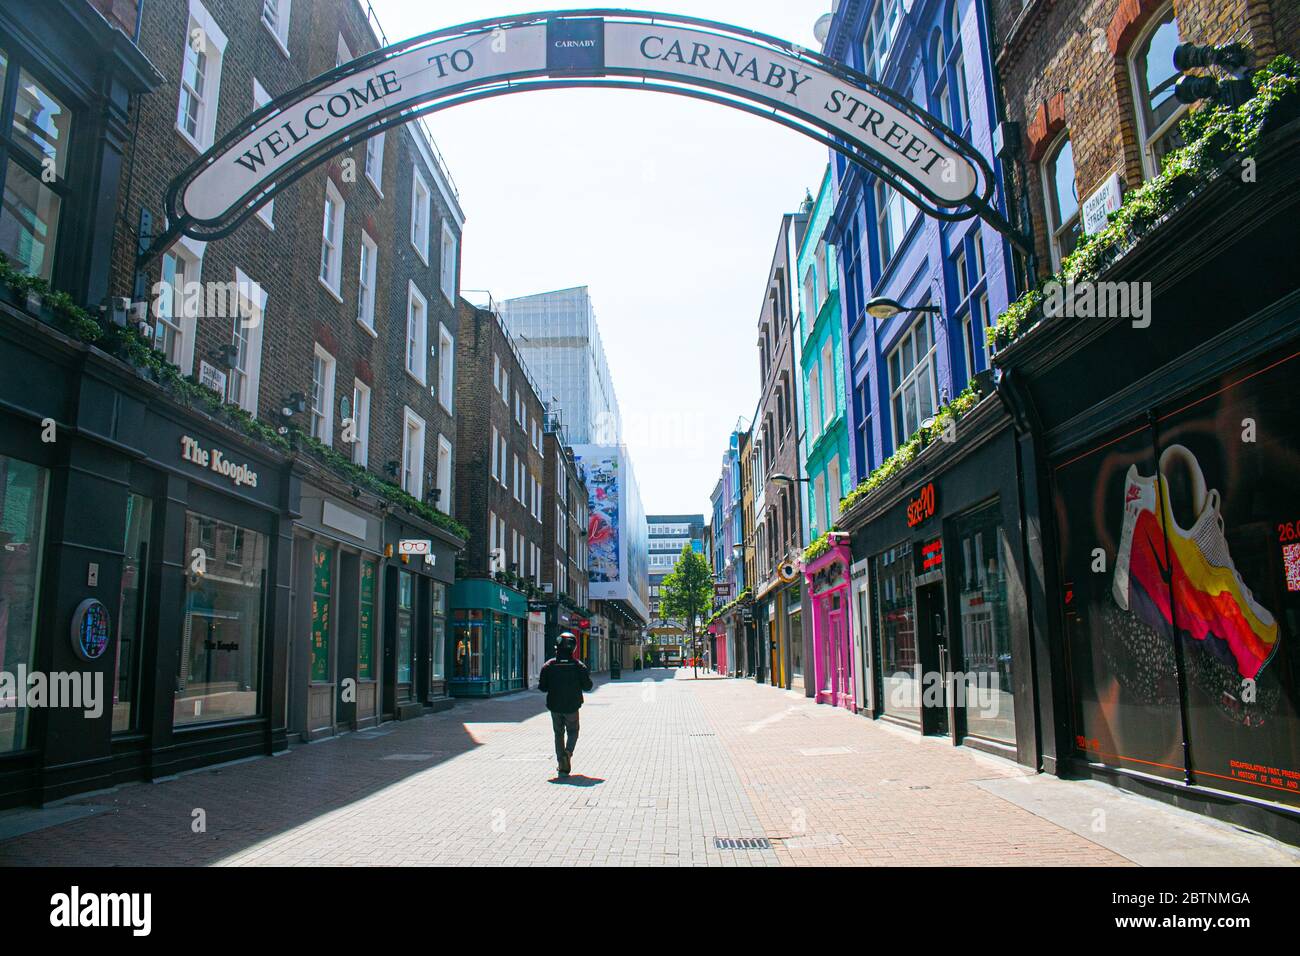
point(728, 65)
point(215, 459)
point(922, 506)
point(419, 546)
point(722, 589)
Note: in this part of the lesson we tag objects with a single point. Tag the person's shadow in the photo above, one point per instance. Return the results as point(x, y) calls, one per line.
point(577, 780)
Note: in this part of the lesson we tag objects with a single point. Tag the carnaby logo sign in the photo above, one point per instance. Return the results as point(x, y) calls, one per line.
point(723, 64)
point(575, 46)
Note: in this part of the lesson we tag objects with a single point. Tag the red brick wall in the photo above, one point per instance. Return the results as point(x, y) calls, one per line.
point(1069, 58)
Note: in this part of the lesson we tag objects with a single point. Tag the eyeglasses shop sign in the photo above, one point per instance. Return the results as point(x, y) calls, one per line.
point(215, 460)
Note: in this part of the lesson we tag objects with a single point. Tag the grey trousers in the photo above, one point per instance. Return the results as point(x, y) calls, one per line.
point(561, 723)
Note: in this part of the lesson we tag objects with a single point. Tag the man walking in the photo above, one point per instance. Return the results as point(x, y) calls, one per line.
point(564, 678)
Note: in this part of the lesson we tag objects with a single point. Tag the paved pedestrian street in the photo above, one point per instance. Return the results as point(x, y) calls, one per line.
point(666, 766)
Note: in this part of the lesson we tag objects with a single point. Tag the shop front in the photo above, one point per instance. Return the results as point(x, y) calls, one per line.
point(932, 595)
point(489, 623)
point(144, 558)
point(827, 578)
point(338, 549)
point(414, 614)
point(1171, 526)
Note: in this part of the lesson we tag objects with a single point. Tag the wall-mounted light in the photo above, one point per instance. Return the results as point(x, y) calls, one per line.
point(294, 403)
point(882, 308)
point(391, 467)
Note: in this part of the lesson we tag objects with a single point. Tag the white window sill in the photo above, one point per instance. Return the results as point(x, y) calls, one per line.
point(424, 257)
point(450, 297)
point(269, 223)
point(378, 191)
point(190, 141)
point(417, 378)
point(369, 328)
point(276, 37)
point(330, 289)
point(447, 408)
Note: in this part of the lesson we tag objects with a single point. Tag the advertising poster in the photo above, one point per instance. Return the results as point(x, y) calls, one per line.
point(599, 471)
point(1183, 539)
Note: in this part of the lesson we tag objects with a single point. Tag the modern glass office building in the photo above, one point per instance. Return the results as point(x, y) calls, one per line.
point(558, 339)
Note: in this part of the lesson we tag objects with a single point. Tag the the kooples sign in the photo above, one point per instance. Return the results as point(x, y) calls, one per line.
point(215, 460)
point(573, 47)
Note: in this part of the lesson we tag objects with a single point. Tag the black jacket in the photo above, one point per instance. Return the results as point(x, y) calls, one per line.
point(564, 681)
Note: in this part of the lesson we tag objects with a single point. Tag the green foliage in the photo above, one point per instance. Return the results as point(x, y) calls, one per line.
point(687, 590)
point(948, 415)
point(1213, 136)
point(817, 548)
point(130, 346)
point(744, 597)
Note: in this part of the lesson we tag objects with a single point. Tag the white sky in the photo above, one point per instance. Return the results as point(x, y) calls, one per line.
point(667, 207)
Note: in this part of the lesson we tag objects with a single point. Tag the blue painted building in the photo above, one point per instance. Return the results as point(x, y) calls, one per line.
point(929, 577)
point(901, 369)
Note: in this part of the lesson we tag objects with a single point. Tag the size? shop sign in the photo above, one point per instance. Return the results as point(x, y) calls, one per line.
point(214, 459)
point(923, 506)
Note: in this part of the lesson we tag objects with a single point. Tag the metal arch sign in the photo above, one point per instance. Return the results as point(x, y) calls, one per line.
point(763, 75)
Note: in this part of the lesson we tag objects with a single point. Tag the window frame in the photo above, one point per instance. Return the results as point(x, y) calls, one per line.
point(448, 268)
point(367, 281)
point(329, 365)
point(446, 368)
point(1147, 139)
point(205, 135)
point(421, 329)
point(361, 448)
point(332, 236)
point(897, 389)
point(413, 465)
point(279, 32)
point(418, 186)
point(1055, 229)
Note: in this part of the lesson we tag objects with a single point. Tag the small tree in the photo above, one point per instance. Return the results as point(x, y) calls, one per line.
point(687, 592)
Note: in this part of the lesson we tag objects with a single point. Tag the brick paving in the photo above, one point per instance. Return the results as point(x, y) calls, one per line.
point(664, 766)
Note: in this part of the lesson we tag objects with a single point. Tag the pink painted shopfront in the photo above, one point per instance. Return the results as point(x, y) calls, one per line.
point(828, 582)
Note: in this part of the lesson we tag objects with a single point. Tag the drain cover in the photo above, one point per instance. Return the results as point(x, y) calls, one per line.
point(742, 843)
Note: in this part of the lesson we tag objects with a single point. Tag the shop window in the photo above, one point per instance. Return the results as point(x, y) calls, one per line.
point(1062, 197)
point(467, 632)
point(34, 156)
point(220, 661)
point(204, 52)
point(437, 631)
point(23, 490)
point(912, 380)
point(130, 621)
point(984, 624)
point(405, 626)
point(1153, 76)
point(366, 621)
point(322, 591)
point(891, 577)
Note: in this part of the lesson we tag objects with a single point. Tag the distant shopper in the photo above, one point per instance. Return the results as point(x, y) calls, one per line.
point(564, 678)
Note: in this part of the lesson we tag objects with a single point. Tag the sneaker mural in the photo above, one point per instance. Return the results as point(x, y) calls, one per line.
point(1183, 605)
point(1195, 572)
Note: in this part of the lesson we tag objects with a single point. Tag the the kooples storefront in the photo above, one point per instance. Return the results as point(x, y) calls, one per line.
point(369, 634)
point(936, 597)
point(1170, 512)
point(144, 559)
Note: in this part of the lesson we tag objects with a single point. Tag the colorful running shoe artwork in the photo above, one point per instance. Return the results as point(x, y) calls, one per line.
point(1193, 584)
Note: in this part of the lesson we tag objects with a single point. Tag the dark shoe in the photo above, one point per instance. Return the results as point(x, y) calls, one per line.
point(565, 766)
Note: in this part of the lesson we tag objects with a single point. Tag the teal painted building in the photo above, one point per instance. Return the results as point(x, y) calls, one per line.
point(824, 445)
point(489, 622)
